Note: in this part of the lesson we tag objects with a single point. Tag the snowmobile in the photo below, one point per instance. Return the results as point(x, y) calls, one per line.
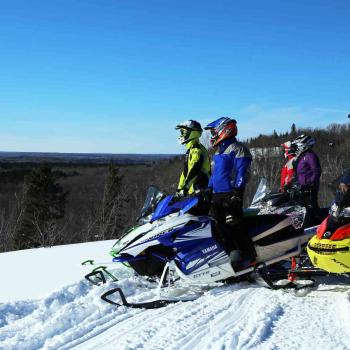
point(169, 240)
point(329, 248)
point(286, 203)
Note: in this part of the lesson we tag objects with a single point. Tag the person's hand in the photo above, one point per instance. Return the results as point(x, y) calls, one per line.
point(287, 188)
point(236, 199)
point(179, 194)
point(205, 194)
point(307, 188)
point(343, 187)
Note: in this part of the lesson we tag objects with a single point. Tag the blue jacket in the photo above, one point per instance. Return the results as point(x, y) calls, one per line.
point(230, 166)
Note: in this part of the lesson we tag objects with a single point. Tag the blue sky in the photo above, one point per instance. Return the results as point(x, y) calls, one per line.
point(117, 76)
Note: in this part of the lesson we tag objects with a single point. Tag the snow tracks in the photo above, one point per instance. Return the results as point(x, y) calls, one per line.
point(241, 316)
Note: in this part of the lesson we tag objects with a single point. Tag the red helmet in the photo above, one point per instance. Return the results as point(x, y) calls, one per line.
point(221, 129)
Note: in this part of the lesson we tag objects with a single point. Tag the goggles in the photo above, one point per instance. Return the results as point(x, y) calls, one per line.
point(184, 132)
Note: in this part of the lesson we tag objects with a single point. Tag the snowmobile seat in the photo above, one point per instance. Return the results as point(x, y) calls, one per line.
point(256, 225)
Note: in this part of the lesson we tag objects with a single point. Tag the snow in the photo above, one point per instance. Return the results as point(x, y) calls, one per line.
point(33, 273)
point(46, 304)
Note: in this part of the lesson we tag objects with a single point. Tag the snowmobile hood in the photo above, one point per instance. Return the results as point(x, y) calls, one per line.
point(131, 236)
point(165, 210)
point(158, 230)
point(329, 255)
point(339, 234)
point(166, 207)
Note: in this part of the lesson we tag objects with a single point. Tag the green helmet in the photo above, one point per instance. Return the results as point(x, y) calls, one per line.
point(189, 130)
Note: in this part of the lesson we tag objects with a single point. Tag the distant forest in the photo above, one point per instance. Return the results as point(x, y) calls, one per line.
point(332, 146)
point(49, 203)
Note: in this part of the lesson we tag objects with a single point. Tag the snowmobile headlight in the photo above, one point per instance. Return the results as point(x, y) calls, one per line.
point(327, 234)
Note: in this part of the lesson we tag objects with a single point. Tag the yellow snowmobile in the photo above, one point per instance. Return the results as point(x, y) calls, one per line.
point(329, 249)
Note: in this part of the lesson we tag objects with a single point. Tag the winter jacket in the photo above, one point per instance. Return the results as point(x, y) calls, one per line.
point(196, 168)
point(230, 166)
point(308, 170)
point(287, 172)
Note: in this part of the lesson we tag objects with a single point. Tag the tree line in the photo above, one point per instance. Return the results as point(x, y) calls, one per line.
point(48, 204)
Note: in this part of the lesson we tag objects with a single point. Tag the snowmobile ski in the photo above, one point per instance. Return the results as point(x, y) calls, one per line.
point(152, 304)
point(265, 279)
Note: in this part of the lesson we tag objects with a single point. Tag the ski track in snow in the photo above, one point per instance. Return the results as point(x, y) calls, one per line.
point(241, 316)
point(238, 316)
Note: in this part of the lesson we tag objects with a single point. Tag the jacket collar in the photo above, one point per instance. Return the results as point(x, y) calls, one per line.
point(224, 144)
point(190, 143)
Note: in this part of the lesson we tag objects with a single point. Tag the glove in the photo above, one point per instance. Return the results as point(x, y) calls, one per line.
point(205, 194)
point(307, 188)
point(287, 188)
point(179, 194)
point(236, 199)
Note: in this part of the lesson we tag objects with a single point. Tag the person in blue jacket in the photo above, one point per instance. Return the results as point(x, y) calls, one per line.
point(230, 174)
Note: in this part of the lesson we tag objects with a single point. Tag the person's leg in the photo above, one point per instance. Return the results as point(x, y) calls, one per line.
point(312, 208)
point(234, 220)
point(221, 232)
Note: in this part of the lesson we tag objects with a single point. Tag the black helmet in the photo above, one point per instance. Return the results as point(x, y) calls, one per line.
point(189, 125)
point(303, 143)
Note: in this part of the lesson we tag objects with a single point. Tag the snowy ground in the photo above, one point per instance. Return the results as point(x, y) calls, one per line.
point(45, 304)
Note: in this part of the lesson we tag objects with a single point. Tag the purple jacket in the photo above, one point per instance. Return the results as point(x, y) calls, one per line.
point(308, 169)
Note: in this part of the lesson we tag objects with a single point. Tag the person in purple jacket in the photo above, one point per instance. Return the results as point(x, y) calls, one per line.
point(307, 172)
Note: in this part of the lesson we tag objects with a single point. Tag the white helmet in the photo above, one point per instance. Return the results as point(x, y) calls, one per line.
point(303, 143)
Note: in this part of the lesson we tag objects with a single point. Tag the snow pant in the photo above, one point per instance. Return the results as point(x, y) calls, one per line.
point(201, 208)
point(230, 232)
point(309, 200)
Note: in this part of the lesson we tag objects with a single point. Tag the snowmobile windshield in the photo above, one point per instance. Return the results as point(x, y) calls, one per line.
point(153, 197)
point(168, 206)
point(261, 192)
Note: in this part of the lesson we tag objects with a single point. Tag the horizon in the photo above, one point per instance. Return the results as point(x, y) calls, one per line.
point(173, 154)
point(91, 153)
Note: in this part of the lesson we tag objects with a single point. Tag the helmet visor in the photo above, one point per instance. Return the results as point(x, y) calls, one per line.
point(184, 132)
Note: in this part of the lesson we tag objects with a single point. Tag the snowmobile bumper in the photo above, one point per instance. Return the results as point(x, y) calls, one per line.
point(99, 275)
point(328, 255)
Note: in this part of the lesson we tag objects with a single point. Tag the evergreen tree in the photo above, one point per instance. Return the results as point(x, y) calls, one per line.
point(111, 220)
point(293, 129)
point(43, 205)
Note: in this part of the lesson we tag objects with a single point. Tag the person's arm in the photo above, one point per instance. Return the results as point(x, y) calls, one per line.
point(195, 162)
point(242, 166)
point(181, 184)
point(210, 184)
point(284, 174)
point(345, 200)
point(315, 166)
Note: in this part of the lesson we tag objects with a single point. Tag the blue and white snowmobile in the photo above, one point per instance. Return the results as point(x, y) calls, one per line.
point(170, 241)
